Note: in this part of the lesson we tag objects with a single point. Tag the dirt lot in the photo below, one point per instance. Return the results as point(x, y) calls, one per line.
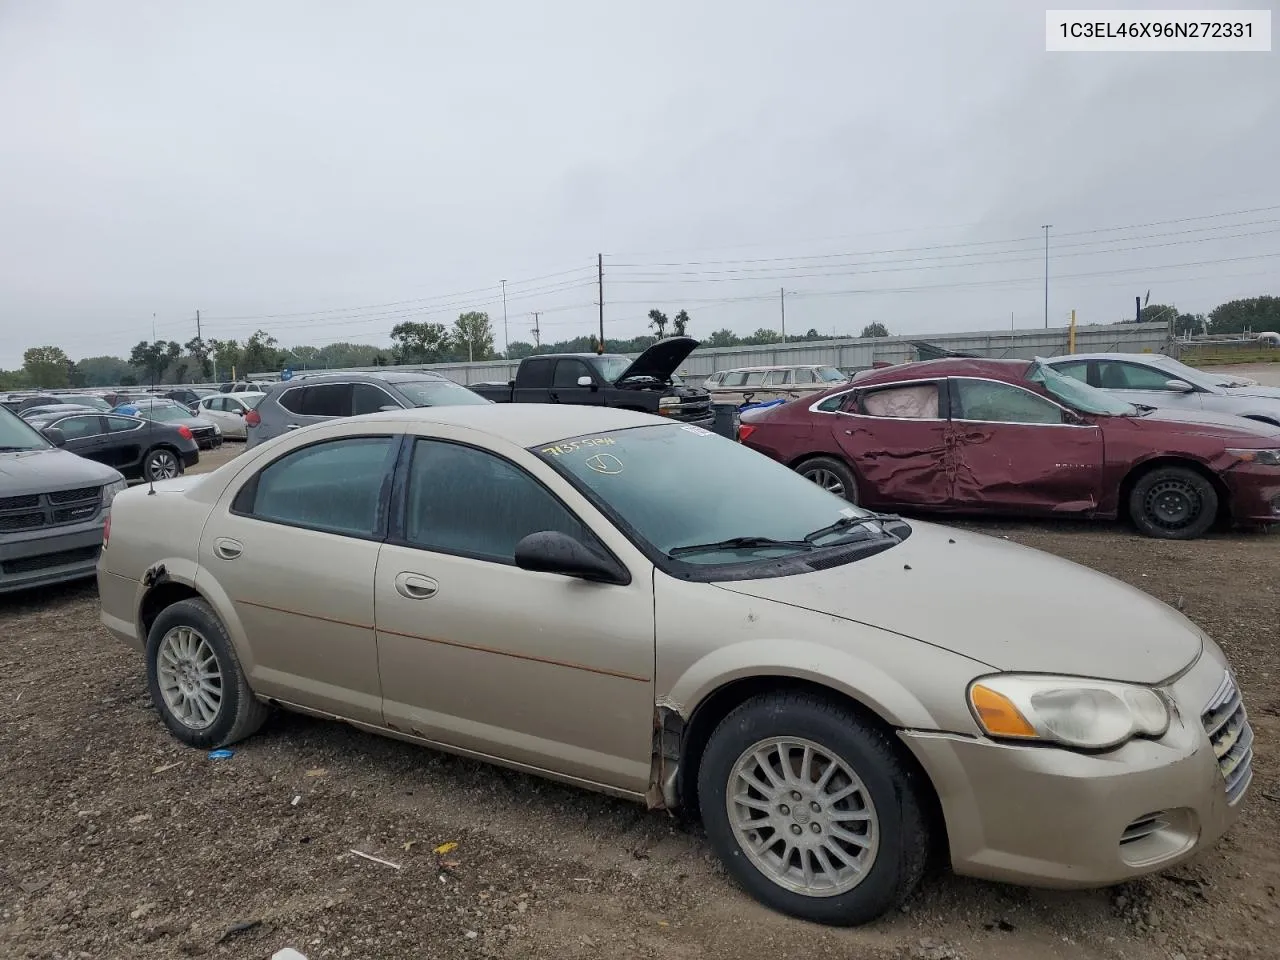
point(118, 842)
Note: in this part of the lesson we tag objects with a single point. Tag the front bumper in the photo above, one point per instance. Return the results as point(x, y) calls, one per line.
point(50, 555)
point(1255, 493)
point(1047, 817)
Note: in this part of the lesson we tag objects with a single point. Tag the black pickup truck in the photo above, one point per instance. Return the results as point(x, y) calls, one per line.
point(648, 383)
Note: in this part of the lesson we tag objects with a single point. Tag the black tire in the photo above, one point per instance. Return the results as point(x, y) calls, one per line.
point(157, 456)
point(893, 785)
point(827, 472)
point(239, 714)
point(1173, 503)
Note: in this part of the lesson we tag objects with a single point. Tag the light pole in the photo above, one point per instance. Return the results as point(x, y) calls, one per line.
point(1045, 228)
point(506, 339)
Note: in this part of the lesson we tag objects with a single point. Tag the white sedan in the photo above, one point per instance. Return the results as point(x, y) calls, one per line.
point(228, 411)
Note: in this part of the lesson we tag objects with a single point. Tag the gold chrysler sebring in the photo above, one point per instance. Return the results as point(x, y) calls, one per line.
point(644, 608)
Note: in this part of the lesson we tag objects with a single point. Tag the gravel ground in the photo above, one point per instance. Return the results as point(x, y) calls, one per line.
point(119, 842)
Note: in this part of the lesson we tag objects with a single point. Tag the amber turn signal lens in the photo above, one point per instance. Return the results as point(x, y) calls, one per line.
point(998, 715)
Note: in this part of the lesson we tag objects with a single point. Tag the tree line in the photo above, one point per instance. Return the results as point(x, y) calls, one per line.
point(469, 338)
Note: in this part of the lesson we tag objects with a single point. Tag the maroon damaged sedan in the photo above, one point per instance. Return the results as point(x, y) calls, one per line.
point(1015, 437)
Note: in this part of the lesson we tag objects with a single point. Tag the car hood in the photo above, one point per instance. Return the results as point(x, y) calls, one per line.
point(661, 360)
point(1226, 426)
point(47, 471)
point(999, 603)
point(1253, 391)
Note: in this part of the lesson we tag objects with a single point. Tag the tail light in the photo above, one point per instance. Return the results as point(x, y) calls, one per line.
point(252, 418)
point(746, 430)
point(183, 432)
point(106, 532)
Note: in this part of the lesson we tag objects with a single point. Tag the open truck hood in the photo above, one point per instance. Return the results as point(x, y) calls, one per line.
point(661, 360)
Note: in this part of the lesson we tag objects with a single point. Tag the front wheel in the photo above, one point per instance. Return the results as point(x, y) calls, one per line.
point(1173, 503)
point(832, 475)
point(812, 809)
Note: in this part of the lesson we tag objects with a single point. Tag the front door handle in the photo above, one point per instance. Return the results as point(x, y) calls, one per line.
point(292, 426)
point(414, 586)
point(227, 549)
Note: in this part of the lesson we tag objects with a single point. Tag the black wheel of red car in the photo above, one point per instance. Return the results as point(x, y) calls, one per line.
point(832, 475)
point(1173, 503)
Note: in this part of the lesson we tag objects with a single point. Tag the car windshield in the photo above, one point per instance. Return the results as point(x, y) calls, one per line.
point(830, 375)
point(1077, 395)
point(611, 368)
point(17, 435)
point(642, 476)
point(438, 393)
point(1200, 378)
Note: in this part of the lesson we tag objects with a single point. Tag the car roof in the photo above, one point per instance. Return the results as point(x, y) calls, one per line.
point(523, 424)
point(1148, 357)
point(777, 366)
point(1011, 371)
point(389, 376)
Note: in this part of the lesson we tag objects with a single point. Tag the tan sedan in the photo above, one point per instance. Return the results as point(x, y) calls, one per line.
point(759, 384)
point(832, 691)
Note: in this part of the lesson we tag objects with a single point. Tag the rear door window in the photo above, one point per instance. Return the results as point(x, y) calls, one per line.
point(917, 401)
point(326, 400)
point(336, 486)
point(535, 373)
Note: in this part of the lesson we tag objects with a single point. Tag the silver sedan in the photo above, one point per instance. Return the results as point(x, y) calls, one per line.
point(1154, 380)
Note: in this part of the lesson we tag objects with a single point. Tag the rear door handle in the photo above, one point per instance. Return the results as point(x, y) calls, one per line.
point(414, 586)
point(227, 549)
point(293, 426)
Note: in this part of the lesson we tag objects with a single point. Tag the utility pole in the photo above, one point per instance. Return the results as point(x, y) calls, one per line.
point(1045, 228)
point(198, 337)
point(782, 302)
point(506, 338)
point(1012, 323)
point(537, 334)
point(600, 290)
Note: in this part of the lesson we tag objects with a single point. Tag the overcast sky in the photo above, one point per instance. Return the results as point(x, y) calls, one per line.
point(351, 164)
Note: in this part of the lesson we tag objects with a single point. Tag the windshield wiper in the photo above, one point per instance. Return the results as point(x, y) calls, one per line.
point(845, 523)
point(4, 449)
point(739, 543)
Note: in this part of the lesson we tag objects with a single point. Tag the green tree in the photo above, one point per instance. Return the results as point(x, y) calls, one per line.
point(199, 352)
point(419, 342)
point(761, 337)
point(875, 329)
point(1157, 313)
point(46, 366)
point(680, 323)
point(13, 379)
point(722, 338)
point(227, 356)
point(102, 371)
point(153, 359)
point(658, 321)
point(473, 333)
point(1259, 314)
point(260, 354)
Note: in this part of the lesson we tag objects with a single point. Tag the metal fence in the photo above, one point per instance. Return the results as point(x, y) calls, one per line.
point(854, 354)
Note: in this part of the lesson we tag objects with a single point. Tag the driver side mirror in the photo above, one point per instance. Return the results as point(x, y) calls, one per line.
point(586, 382)
point(550, 551)
point(54, 436)
point(1179, 386)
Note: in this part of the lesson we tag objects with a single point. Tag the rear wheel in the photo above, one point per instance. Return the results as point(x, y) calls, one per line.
point(812, 809)
point(832, 475)
point(195, 678)
point(1173, 503)
point(161, 464)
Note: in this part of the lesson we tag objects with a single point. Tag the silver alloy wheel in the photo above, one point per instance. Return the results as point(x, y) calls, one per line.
point(802, 816)
point(190, 677)
point(827, 480)
point(162, 465)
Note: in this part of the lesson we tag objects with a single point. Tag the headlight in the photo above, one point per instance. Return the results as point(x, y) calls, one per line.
point(669, 402)
point(1267, 458)
point(111, 489)
point(1071, 711)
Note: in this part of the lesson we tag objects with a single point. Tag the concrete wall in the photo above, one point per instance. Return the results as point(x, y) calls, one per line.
point(859, 354)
